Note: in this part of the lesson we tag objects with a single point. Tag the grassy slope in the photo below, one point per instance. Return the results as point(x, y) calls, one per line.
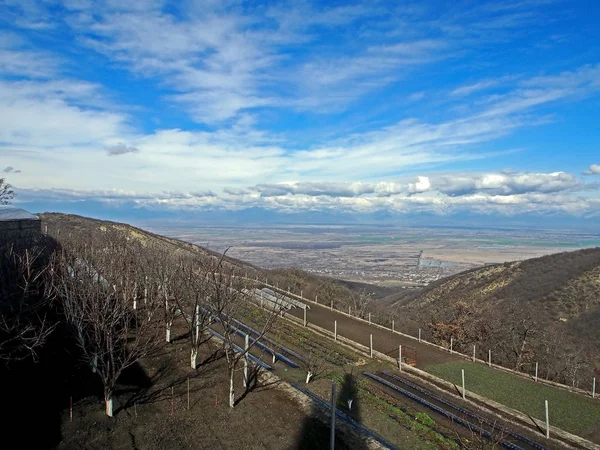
point(573, 413)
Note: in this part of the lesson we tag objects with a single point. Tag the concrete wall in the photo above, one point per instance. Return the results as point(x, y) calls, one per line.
point(15, 229)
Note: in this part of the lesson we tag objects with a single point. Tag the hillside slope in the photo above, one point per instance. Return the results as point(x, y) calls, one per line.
point(544, 310)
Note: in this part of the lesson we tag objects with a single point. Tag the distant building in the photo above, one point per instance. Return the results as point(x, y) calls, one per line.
point(16, 222)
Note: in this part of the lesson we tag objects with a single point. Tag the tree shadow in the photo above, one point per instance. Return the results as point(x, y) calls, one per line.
point(316, 428)
point(36, 383)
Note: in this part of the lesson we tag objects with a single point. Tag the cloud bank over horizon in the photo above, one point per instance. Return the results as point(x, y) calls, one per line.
point(303, 106)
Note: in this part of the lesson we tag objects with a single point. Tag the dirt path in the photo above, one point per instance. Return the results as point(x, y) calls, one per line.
point(384, 341)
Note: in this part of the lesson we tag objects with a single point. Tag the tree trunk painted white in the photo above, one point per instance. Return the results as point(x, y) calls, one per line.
point(231, 389)
point(246, 365)
point(168, 335)
point(309, 375)
point(194, 358)
point(108, 401)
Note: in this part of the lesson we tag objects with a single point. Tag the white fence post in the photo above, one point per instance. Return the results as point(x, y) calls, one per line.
point(392, 325)
point(451, 344)
point(594, 387)
point(547, 420)
point(536, 372)
point(463, 382)
point(473, 352)
point(335, 330)
point(317, 299)
point(419, 335)
point(489, 358)
point(369, 317)
point(331, 305)
point(371, 341)
point(400, 358)
point(305, 315)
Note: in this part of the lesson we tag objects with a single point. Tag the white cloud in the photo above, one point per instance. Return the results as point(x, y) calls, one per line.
point(594, 169)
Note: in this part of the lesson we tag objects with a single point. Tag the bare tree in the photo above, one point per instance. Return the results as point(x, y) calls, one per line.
point(24, 297)
point(193, 303)
point(227, 298)
point(315, 364)
point(94, 283)
point(359, 302)
point(6, 192)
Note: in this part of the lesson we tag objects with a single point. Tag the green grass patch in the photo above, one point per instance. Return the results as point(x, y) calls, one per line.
point(570, 412)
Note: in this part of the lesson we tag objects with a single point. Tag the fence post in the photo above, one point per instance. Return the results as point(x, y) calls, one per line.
point(332, 431)
point(536, 372)
point(419, 335)
point(489, 358)
point(317, 299)
point(331, 308)
point(369, 317)
point(371, 341)
point(392, 325)
point(547, 420)
point(451, 344)
point(473, 352)
point(301, 295)
point(304, 315)
point(349, 311)
point(463, 382)
point(400, 358)
point(335, 330)
point(594, 387)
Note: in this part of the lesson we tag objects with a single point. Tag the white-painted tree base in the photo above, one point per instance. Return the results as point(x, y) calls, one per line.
point(109, 406)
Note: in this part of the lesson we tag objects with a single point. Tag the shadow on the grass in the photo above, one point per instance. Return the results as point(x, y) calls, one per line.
point(315, 432)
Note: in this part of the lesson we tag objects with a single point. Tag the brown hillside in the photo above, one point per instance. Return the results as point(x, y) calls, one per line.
point(544, 310)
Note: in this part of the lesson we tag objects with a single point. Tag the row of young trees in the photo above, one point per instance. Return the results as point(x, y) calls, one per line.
point(120, 297)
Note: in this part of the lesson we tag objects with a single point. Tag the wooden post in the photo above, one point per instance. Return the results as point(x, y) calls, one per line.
point(305, 315)
point(331, 305)
point(419, 335)
point(473, 352)
point(369, 317)
point(547, 420)
point(392, 325)
point(317, 299)
point(451, 344)
point(463, 382)
point(371, 341)
point(594, 387)
point(489, 358)
point(349, 311)
point(335, 330)
point(301, 294)
point(400, 358)
point(536, 372)
point(332, 431)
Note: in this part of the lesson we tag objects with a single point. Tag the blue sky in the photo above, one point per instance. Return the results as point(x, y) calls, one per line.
point(340, 107)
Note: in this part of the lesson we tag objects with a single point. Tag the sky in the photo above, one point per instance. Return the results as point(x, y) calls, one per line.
point(341, 108)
